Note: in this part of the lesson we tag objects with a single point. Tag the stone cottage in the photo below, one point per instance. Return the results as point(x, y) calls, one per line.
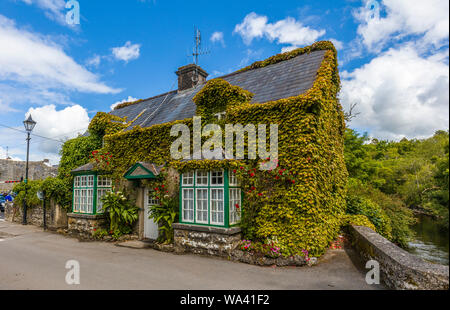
point(297, 91)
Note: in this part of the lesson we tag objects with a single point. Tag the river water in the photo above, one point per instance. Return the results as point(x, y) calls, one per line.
point(431, 241)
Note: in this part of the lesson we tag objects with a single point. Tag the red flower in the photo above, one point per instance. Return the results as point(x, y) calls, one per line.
point(277, 177)
point(242, 168)
point(253, 188)
point(260, 194)
point(234, 171)
point(162, 186)
point(252, 174)
point(237, 206)
point(280, 172)
point(292, 181)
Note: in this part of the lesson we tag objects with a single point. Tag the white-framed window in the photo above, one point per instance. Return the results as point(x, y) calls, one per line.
point(233, 179)
point(100, 193)
point(187, 204)
point(201, 178)
point(235, 205)
point(151, 198)
point(188, 178)
point(104, 181)
point(205, 198)
point(83, 194)
point(217, 206)
point(104, 185)
point(202, 205)
point(217, 178)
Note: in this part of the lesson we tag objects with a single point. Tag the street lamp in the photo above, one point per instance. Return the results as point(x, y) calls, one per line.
point(29, 126)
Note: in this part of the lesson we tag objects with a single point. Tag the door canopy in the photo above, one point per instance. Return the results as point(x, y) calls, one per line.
point(143, 170)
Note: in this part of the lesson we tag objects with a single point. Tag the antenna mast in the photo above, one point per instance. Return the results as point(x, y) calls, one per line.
point(197, 51)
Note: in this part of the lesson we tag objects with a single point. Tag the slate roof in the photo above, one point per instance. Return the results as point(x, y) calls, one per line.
point(281, 80)
point(87, 167)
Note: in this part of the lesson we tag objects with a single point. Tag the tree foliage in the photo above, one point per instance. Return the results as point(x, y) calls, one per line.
point(399, 176)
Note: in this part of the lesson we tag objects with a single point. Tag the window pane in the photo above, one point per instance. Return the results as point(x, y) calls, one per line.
point(233, 179)
point(202, 205)
point(151, 198)
point(76, 200)
point(100, 193)
point(202, 178)
point(188, 205)
point(188, 178)
point(90, 181)
point(217, 214)
point(235, 199)
point(217, 177)
point(89, 200)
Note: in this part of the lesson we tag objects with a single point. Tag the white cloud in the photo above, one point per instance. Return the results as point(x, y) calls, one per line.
point(403, 18)
point(129, 99)
point(53, 9)
point(399, 94)
point(39, 63)
point(217, 37)
point(285, 31)
point(94, 61)
point(127, 52)
point(58, 124)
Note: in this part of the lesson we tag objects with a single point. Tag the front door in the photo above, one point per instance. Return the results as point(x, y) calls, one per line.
point(150, 227)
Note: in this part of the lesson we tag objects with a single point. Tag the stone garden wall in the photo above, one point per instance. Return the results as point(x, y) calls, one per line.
point(206, 240)
point(56, 216)
point(84, 225)
point(398, 268)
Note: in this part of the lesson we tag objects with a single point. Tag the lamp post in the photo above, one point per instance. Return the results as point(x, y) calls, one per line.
point(29, 126)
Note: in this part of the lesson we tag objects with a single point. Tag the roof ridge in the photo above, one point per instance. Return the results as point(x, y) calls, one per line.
point(274, 59)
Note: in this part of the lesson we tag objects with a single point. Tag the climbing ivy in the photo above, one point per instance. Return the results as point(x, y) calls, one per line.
point(304, 214)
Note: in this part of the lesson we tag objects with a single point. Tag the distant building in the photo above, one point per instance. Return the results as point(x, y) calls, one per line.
point(12, 171)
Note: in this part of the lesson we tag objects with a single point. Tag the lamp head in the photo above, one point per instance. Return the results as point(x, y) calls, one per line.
point(29, 124)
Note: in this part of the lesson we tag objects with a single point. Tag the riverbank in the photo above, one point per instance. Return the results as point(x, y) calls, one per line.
point(431, 242)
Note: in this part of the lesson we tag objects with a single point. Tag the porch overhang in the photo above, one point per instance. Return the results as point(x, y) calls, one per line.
point(143, 170)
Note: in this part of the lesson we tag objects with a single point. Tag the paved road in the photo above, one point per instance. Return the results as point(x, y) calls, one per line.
point(32, 259)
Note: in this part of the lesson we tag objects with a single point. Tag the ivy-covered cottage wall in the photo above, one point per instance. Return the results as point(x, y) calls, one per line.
point(301, 204)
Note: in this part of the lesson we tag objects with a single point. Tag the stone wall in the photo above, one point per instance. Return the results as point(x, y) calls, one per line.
point(84, 225)
point(56, 217)
point(206, 240)
point(398, 268)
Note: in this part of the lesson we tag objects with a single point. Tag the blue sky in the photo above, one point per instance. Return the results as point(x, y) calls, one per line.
point(393, 58)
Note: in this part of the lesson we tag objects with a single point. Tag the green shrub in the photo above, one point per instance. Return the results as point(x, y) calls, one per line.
point(400, 216)
point(120, 213)
point(362, 206)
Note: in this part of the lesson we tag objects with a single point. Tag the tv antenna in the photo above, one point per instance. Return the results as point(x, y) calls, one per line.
point(197, 51)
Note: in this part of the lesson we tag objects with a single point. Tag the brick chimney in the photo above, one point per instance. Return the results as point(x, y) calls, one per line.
point(186, 76)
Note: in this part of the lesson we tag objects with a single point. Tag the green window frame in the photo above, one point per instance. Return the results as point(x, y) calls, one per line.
point(88, 188)
point(205, 198)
